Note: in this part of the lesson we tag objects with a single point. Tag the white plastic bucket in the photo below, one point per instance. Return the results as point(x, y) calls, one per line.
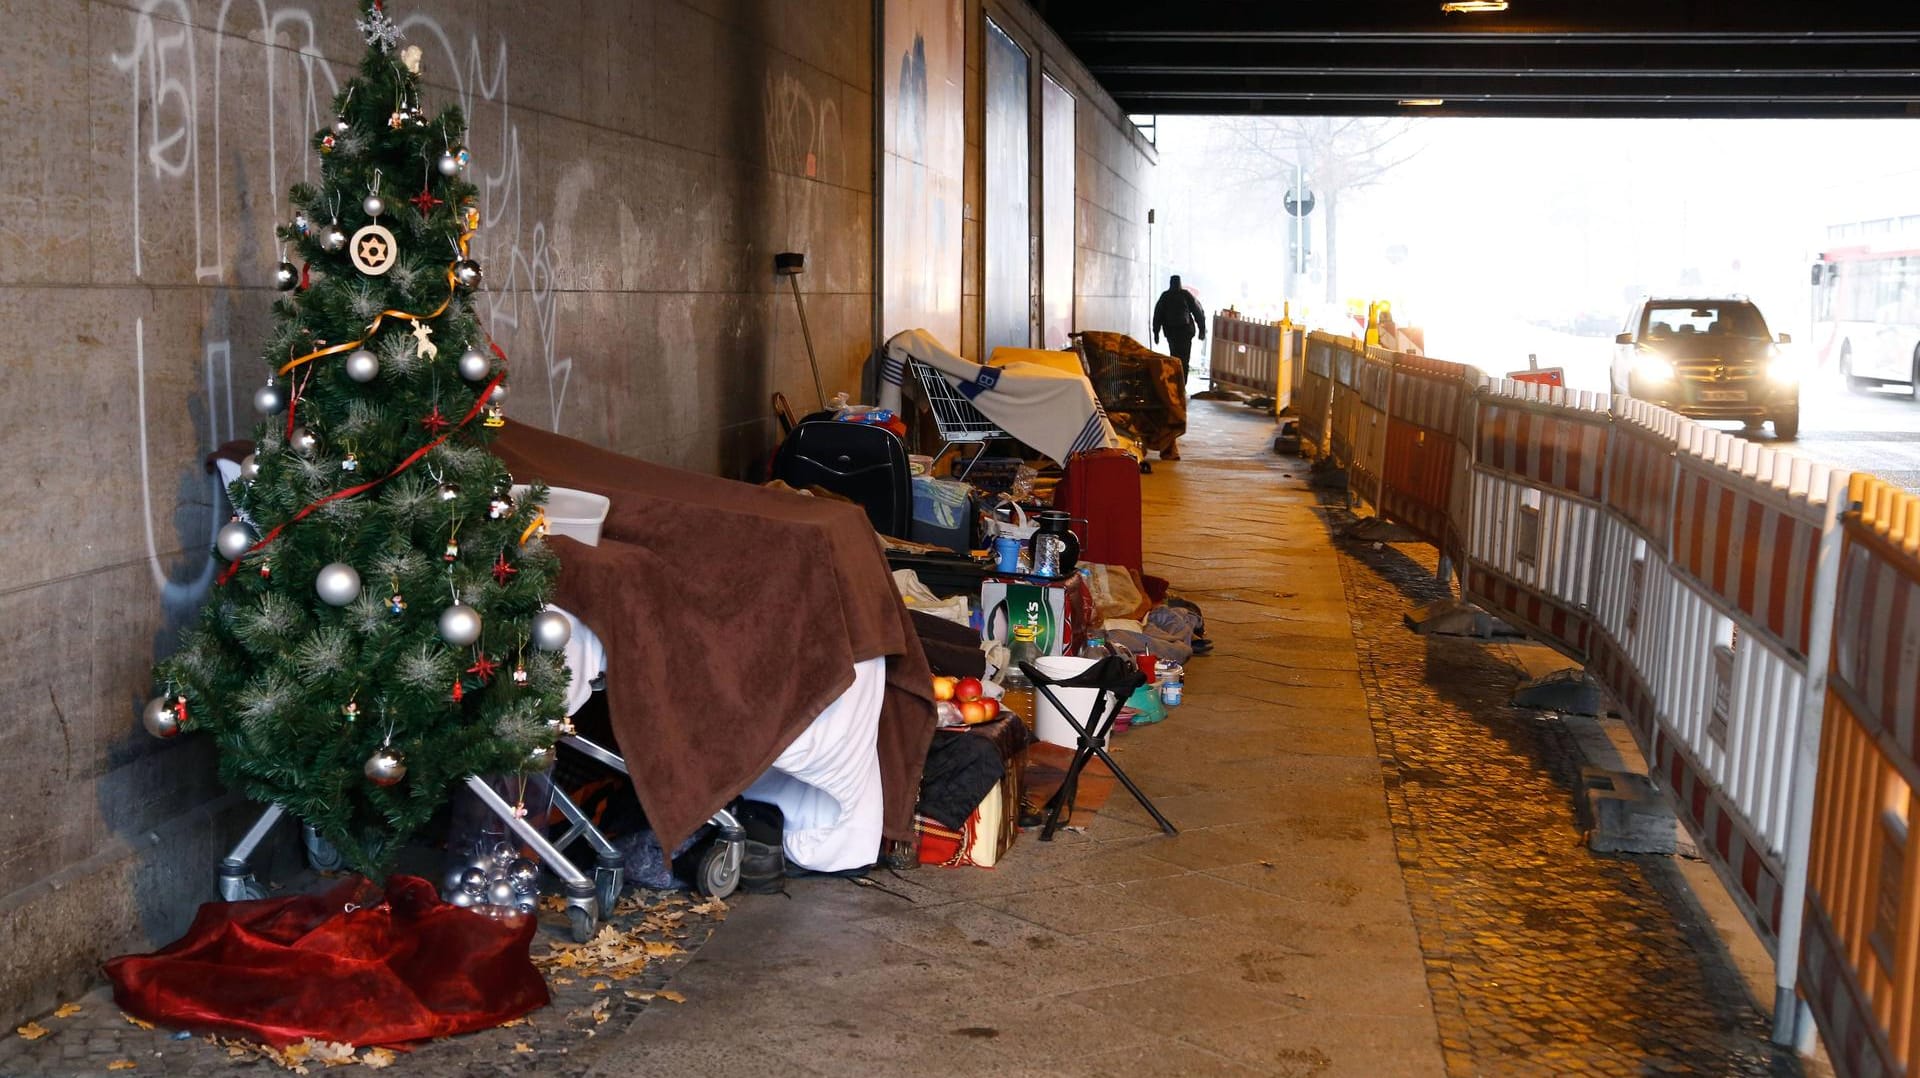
point(576, 514)
point(1049, 726)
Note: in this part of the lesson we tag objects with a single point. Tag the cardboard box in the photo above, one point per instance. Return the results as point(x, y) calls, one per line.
point(1056, 609)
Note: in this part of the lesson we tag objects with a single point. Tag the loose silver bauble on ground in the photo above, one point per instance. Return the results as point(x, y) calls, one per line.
point(473, 881)
point(500, 893)
point(449, 491)
point(523, 874)
point(250, 467)
point(474, 366)
point(341, 127)
point(526, 903)
point(232, 540)
point(302, 441)
point(551, 630)
point(462, 899)
point(466, 274)
point(504, 854)
point(338, 584)
point(285, 276)
point(385, 767)
point(363, 366)
point(374, 205)
point(451, 881)
point(480, 861)
point(460, 625)
point(270, 399)
point(449, 165)
point(159, 717)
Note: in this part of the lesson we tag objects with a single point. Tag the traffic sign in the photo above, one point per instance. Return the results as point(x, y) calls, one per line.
point(1298, 207)
point(1546, 376)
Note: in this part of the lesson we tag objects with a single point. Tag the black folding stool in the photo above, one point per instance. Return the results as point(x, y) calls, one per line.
point(1115, 678)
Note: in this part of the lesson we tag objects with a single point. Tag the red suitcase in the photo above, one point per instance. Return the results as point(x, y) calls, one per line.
point(1102, 488)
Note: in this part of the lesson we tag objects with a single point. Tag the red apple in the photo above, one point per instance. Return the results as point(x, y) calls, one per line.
point(992, 706)
point(973, 712)
point(967, 689)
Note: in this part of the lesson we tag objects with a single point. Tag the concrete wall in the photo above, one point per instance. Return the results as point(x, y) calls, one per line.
point(1113, 177)
point(641, 162)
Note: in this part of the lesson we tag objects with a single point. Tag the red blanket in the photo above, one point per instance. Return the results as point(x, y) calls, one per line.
point(732, 615)
point(351, 965)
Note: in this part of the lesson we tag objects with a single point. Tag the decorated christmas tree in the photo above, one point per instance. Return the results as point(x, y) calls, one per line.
point(378, 631)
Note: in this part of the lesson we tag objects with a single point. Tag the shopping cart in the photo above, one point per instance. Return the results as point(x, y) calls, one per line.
point(958, 421)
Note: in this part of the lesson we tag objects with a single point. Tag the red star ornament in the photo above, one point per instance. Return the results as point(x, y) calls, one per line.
point(435, 422)
point(426, 203)
point(483, 668)
point(502, 569)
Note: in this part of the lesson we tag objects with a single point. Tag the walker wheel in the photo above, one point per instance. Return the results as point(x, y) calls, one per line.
point(719, 871)
point(579, 924)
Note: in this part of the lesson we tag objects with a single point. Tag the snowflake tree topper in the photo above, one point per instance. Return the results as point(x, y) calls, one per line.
point(381, 32)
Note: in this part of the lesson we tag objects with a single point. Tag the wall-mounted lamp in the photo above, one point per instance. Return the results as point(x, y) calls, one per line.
point(1473, 7)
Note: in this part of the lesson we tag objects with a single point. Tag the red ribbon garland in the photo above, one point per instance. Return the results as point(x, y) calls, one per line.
point(412, 459)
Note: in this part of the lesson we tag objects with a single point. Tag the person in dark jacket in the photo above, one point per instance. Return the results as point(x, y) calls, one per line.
point(1178, 315)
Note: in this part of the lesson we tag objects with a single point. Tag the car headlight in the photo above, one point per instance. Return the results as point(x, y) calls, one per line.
point(1782, 368)
point(1653, 368)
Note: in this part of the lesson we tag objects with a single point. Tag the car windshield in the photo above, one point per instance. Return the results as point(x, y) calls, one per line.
point(1721, 319)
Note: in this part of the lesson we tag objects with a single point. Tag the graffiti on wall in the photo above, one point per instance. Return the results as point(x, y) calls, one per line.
point(222, 109)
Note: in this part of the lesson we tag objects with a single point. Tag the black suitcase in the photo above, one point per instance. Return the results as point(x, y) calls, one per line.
point(860, 461)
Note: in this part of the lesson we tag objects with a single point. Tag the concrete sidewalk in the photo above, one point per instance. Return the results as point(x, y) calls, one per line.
point(1378, 871)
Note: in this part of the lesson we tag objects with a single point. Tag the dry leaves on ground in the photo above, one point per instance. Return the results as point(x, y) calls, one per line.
point(138, 1022)
point(522, 1047)
point(295, 1057)
point(67, 1010)
point(32, 1031)
point(122, 1065)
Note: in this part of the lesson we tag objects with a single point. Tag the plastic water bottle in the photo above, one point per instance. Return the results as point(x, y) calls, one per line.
point(1017, 692)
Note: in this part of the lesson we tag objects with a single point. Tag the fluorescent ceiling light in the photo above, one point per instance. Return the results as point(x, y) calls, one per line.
point(1422, 102)
point(1473, 7)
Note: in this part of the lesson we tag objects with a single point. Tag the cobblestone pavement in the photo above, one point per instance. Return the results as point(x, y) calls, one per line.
point(1542, 957)
point(589, 1004)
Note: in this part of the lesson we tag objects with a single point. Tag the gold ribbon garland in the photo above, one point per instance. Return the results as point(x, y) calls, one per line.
point(453, 289)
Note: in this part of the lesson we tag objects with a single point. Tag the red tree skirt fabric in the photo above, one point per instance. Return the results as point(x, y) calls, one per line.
point(349, 965)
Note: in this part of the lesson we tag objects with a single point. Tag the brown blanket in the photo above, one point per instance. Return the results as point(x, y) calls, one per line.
point(732, 616)
point(1139, 387)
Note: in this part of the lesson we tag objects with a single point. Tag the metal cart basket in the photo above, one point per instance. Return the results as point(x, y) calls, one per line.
point(958, 421)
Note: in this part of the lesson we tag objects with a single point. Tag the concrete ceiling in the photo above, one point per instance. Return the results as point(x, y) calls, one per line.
point(1574, 58)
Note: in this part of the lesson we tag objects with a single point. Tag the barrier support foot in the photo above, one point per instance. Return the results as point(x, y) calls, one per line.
point(1379, 530)
point(1326, 475)
point(1570, 692)
point(1286, 440)
point(1450, 617)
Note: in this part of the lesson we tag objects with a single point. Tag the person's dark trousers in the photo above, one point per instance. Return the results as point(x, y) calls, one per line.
point(1181, 348)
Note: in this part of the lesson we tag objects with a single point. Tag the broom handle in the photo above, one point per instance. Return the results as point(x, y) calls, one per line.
point(807, 335)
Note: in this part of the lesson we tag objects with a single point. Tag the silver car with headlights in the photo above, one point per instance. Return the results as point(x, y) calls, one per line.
point(1708, 358)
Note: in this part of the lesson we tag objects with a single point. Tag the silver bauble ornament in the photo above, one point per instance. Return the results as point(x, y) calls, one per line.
point(250, 467)
point(338, 584)
point(302, 441)
point(503, 855)
point(526, 903)
point(333, 237)
point(385, 767)
point(473, 881)
point(462, 900)
point(233, 540)
point(374, 205)
point(159, 717)
point(341, 127)
point(363, 366)
point(466, 274)
point(499, 393)
point(474, 366)
point(449, 491)
point(523, 874)
point(500, 893)
point(460, 625)
point(551, 630)
point(451, 881)
point(285, 276)
point(449, 165)
point(270, 399)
